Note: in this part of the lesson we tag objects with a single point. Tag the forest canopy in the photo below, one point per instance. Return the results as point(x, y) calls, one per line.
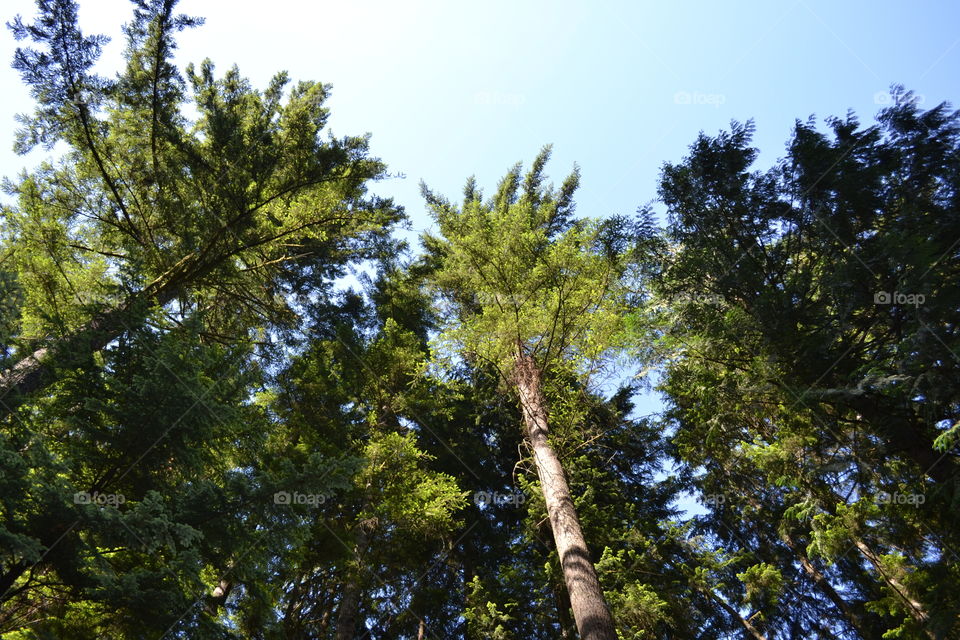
point(208, 430)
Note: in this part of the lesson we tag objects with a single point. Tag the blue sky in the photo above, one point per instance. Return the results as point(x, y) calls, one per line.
point(450, 89)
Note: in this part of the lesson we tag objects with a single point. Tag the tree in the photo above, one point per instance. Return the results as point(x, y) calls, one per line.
point(536, 294)
point(351, 411)
point(124, 492)
point(151, 271)
point(148, 208)
point(811, 367)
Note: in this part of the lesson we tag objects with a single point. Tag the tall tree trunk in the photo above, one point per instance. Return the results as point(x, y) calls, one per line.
point(218, 596)
point(560, 598)
point(590, 611)
point(562, 602)
point(349, 610)
point(9, 577)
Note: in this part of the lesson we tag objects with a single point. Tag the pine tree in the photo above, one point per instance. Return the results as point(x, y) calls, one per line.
point(811, 368)
point(151, 268)
point(535, 293)
point(149, 208)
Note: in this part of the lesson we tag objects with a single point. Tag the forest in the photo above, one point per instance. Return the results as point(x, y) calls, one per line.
point(235, 404)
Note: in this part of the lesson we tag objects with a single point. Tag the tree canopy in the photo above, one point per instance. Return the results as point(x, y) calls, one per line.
point(208, 431)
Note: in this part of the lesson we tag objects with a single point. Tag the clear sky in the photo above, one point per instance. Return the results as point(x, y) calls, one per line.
point(449, 89)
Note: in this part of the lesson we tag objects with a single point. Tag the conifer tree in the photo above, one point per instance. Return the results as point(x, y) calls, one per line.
point(151, 208)
point(537, 294)
point(812, 368)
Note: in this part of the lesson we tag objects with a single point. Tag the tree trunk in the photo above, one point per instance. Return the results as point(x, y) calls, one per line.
point(914, 607)
point(34, 372)
point(733, 613)
point(853, 617)
point(10, 577)
point(350, 598)
point(349, 608)
point(590, 611)
point(560, 598)
point(563, 612)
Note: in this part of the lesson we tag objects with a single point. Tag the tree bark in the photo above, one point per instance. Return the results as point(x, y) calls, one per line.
point(34, 371)
point(560, 598)
point(590, 611)
point(563, 612)
point(349, 610)
point(10, 577)
point(218, 597)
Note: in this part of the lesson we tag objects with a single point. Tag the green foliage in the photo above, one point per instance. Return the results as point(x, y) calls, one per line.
point(217, 211)
point(484, 619)
point(403, 494)
point(170, 275)
point(812, 403)
point(123, 486)
point(640, 611)
point(146, 269)
point(516, 270)
point(764, 584)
